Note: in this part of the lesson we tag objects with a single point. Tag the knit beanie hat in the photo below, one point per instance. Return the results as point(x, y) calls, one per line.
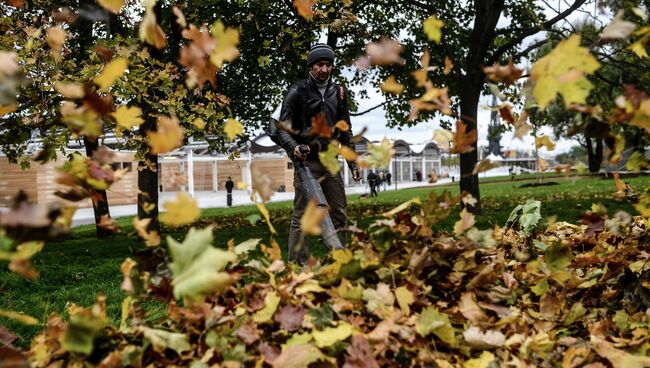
point(318, 52)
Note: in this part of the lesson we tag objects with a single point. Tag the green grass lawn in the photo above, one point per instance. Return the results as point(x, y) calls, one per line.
point(76, 269)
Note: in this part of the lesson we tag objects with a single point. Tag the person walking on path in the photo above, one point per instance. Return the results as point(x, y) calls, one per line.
point(382, 180)
point(316, 96)
point(229, 186)
point(388, 177)
point(372, 183)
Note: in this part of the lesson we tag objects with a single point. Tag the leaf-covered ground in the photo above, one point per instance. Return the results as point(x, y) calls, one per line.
point(537, 292)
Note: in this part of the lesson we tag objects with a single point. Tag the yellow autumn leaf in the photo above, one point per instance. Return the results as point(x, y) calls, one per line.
point(404, 299)
point(391, 85)
point(233, 128)
point(151, 238)
point(639, 46)
point(199, 124)
point(150, 31)
point(433, 28)
point(20, 317)
point(347, 153)
point(483, 361)
point(331, 335)
point(329, 159)
point(379, 156)
point(484, 165)
point(265, 213)
point(443, 138)
point(126, 118)
point(70, 90)
point(544, 141)
point(271, 302)
point(641, 116)
point(112, 5)
point(227, 40)
point(543, 165)
point(6, 109)
point(167, 137)
point(568, 58)
point(181, 211)
point(111, 72)
point(312, 218)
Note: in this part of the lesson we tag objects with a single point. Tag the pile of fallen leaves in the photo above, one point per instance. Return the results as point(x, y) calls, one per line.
point(533, 293)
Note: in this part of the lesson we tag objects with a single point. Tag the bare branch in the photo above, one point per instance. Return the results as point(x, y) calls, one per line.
point(370, 109)
point(532, 30)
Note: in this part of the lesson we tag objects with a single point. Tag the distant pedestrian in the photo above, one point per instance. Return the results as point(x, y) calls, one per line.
point(229, 186)
point(372, 183)
point(382, 180)
point(418, 175)
point(388, 177)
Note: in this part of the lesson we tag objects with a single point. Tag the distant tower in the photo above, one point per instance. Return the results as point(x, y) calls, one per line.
point(494, 138)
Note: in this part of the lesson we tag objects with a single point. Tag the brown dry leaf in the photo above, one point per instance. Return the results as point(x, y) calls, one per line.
point(449, 65)
point(312, 218)
point(319, 127)
point(342, 125)
point(463, 142)
point(180, 17)
point(151, 238)
point(618, 358)
point(347, 153)
point(304, 8)
point(385, 52)
point(470, 309)
point(249, 334)
point(113, 6)
point(543, 165)
point(506, 113)
point(484, 165)
point(55, 39)
point(150, 31)
point(360, 354)
point(290, 317)
point(544, 141)
point(167, 137)
point(618, 28)
point(196, 57)
point(507, 74)
point(262, 184)
point(466, 222)
point(422, 75)
point(432, 99)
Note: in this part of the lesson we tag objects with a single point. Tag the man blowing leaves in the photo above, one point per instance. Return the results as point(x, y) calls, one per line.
point(310, 97)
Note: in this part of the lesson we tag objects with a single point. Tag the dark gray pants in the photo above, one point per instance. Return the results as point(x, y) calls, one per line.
point(334, 191)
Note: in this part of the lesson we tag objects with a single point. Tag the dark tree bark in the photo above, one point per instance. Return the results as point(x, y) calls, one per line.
point(148, 168)
point(487, 13)
point(594, 154)
point(98, 197)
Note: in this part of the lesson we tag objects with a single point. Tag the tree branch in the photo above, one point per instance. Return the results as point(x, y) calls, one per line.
point(370, 109)
point(532, 30)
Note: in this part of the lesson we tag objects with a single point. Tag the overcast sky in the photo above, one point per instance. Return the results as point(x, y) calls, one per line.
point(376, 121)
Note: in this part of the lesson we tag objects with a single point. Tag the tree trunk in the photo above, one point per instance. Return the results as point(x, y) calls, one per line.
point(98, 197)
point(148, 168)
point(594, 156)
point(487, 13)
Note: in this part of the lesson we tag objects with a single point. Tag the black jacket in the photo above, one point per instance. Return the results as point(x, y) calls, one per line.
point(303, 102)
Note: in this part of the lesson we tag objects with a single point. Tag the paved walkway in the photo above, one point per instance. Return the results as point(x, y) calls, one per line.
point(85, 216)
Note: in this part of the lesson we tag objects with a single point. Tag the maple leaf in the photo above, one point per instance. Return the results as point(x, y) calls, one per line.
point(544, 141)
point(506, 113)
point(196, 57)
point(262, 184)
point(639, 46)
point(391, 85)
point(379, 156)
point(150, 32)
point(380, 300)
point(433, 321)
point(483, 361)
point(305, 8)
point(161, 339)
point(466, 221)
point(404, 299)
point(126, 118)
point(151, 238)
point(113, 6)
point(233, 128)
point(181, 211)
point(290, 317)
point(271, 302)
point(110, 73)
point(485, 165)
point(463, 141)
point(329, 159)
point(227, 40)
point(443, 138)
point(249, 334)
point(197, 266)
point(167, 137)
point(359, 354)
point(433, 28)
point(641, 116)
point(70, 90)
point(618, 358)
point(618, 28)
point(507, 74)
point(331, 335)
point(298, 356)
point(385, 52)
point(319, 127)
point(470, 309)
point(55, 39)
point(484, 340)
point(568, 57)
point(312, 218)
